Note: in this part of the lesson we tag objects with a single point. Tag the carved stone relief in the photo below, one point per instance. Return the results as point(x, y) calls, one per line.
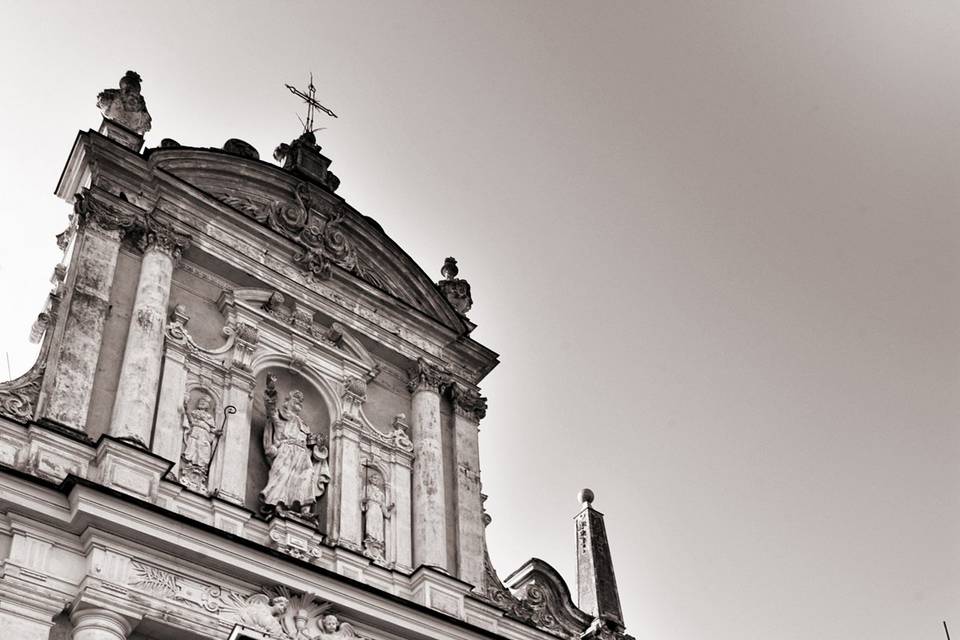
point(302, 319)
point(376, 512)
point(316, 226)
point(298, 458)
point(277, 611)
point(201, 435)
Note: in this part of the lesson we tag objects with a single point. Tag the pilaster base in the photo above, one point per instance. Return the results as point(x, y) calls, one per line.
point(129, 469)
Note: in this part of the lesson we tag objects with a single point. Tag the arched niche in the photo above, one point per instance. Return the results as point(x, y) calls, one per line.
point(320, 409)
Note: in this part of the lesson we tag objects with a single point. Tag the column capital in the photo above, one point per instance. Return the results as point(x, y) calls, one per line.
point(163, 238)
point(426, 377)
point(103, 216)
point(99, 624)
point(467, 402)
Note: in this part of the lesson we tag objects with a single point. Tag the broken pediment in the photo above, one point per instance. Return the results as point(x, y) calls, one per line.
point(539, 596)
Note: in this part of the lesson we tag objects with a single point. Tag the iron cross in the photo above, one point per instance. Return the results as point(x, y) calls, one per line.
point(310, 99)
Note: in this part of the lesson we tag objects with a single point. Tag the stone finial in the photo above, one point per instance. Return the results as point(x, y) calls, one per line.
point(457, 291)
point(597, 592)
point(125, 105)
point(303, 157)
point(242, 148)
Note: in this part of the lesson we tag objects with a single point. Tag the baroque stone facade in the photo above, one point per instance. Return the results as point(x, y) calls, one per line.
point(253, 416)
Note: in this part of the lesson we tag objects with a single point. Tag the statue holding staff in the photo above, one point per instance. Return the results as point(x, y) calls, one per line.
point(299, 459)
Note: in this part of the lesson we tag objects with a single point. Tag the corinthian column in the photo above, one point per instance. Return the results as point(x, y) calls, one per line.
point(140, 372)
point(469, 408)
point(69, 384)
point(429, 521)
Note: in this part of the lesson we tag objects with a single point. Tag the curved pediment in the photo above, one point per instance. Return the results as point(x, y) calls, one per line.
point(539, 596)
point(326, 232)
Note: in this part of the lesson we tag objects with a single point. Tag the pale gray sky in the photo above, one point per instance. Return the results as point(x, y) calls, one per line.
point(716, 244)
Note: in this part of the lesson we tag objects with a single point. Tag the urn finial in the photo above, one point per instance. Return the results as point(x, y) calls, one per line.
point(457, 291)
point(449, 270)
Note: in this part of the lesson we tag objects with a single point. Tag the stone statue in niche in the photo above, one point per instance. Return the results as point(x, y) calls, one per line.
point(298, 458)
point(200, 438)
point(375, 514)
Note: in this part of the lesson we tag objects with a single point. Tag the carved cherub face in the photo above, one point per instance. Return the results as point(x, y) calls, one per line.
point(279, 604)
point(330, 623)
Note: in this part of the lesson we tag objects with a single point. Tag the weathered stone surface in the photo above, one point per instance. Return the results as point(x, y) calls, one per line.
point(125, 105)
point(596, 584)
point(429, 512)
point(282, 279)
point(74, 363)
point(456, 290)
point(470, 545)
point(136, 399)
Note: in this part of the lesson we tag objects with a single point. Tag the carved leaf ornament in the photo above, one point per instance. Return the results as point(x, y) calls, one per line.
point(317, 229)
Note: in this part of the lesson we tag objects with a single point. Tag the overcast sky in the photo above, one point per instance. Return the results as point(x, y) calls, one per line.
point(715, 243)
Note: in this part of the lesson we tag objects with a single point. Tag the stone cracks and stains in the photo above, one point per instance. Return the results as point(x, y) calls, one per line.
point(276, 610)
point(316, 227)
point(456, 290)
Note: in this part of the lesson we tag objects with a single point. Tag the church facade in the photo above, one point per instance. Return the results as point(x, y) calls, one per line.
point(254, 416)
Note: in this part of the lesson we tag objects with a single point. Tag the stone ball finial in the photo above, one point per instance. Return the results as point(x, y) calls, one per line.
point(449, 269)
point(585, 496)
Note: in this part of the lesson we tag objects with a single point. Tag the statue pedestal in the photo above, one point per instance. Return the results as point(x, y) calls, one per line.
point(121, 135)
point(295, 539)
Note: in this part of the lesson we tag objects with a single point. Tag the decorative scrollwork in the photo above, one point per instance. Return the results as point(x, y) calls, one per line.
point(317, 227)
